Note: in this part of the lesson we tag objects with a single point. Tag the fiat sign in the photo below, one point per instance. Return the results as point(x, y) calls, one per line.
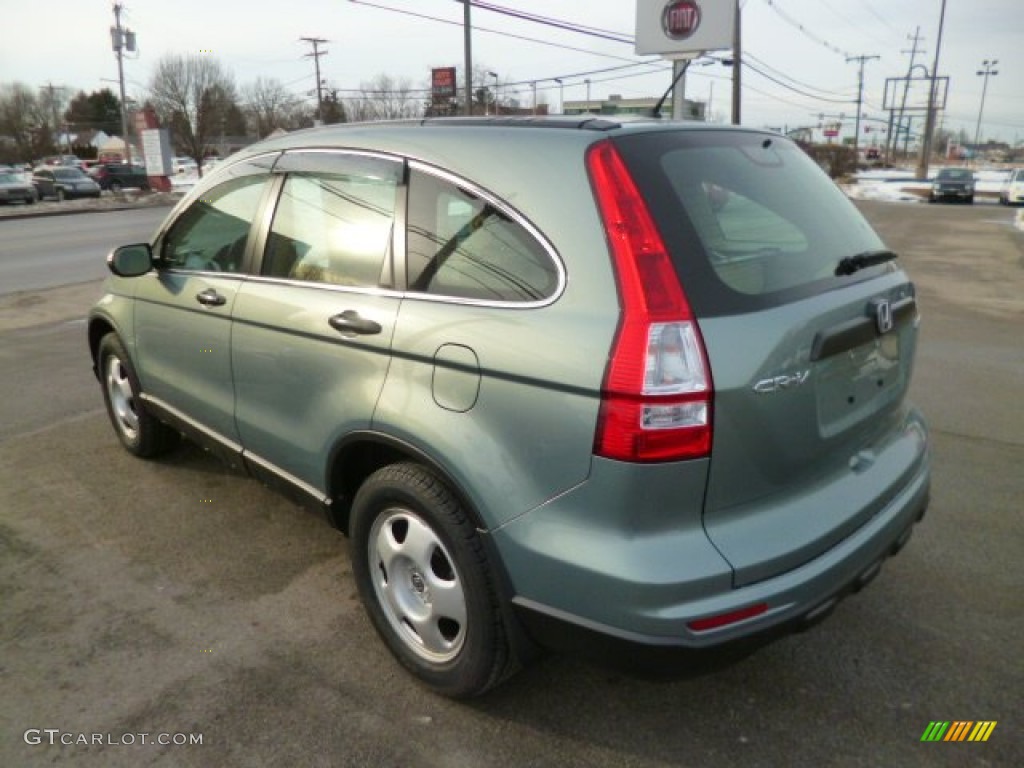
point(683, 29)
point(680, 19)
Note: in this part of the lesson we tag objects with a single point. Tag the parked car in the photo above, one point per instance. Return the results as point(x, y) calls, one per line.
point(1012, 192)
point(118, 176)
point(63, 183)
point(555, 397)
point(955, 184)
point(15, 188)
point(183, 165)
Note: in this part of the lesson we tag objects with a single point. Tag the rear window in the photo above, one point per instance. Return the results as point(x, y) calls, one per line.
point(750, 218)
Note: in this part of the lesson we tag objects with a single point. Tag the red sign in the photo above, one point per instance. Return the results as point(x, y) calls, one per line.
point(680, 19)
point(442, 82)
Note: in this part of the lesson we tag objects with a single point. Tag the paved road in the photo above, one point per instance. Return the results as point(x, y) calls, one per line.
point(49, 251)
point(149, 597)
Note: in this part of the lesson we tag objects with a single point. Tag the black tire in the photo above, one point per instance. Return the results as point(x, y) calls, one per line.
point(139, 432)
point(457, 646)
point(115, 187)
point(60, 195)
point(970, 200)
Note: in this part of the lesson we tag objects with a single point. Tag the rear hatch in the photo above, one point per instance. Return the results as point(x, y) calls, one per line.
point(810, 329)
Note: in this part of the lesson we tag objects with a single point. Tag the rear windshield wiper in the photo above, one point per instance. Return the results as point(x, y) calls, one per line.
point(850, 264)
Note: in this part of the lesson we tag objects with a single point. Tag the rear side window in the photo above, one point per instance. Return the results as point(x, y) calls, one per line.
point(461, 245)
point(750, 219)
point(334, 227)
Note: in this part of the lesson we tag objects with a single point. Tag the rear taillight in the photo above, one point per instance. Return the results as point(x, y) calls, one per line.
point(656, 398)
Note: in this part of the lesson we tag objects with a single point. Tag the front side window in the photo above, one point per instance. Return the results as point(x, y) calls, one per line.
point(211, 234)
point(463, 246)
point(334, 227)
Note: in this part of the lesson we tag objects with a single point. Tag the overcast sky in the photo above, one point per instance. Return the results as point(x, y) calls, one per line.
point(802, 43)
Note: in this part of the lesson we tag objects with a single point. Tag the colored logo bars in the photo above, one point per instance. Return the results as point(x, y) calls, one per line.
point(959, 730)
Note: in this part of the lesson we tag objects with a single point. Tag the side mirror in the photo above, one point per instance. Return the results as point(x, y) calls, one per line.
point(130, 260)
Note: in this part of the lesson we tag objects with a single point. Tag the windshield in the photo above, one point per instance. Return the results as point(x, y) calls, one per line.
point(9, 178)
point(955, 174)
point(766, 219)
point(68, 174)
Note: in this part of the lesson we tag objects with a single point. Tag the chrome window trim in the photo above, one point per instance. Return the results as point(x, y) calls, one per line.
point(519, 219)
point(366, 290)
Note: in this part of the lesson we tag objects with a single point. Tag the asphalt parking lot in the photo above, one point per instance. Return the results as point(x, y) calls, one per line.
point(174, 599)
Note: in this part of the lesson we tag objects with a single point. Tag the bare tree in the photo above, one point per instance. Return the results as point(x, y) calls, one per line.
point(27, 119)
point(194, 94)
point(268, 105)
point(384, 98)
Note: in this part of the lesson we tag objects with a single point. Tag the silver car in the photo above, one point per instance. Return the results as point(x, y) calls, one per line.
point(634, 389)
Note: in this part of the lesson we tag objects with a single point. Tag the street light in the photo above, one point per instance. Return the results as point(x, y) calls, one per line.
point(587, 81)
point(561, 97)
point(497, 108)
point(984, 73)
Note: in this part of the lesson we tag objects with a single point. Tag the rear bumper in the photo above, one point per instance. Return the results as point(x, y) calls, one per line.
point(656, 634)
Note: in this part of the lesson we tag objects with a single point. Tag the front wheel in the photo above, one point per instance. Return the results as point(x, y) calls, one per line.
point(60, 195)
point(139, 432)
point(423, 577)
point(115, 187)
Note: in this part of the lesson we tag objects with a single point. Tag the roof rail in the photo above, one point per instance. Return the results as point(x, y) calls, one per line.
point(573, 122)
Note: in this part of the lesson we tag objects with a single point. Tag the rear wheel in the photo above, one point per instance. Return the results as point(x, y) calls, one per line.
point(115, 186)
point(423, 576)
point(139, 432)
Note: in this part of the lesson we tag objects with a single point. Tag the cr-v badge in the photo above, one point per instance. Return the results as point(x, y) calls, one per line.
point(786, 381)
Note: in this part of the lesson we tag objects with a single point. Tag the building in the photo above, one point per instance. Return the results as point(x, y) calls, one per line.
point(616, 105)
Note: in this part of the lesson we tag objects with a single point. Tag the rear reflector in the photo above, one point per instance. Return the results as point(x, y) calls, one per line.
point(724, 619)
point(656, 398)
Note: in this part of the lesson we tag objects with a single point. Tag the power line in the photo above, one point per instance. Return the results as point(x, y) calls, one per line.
point(499, 32)
point(605, 34)
point(793, 22)
point(765, 75)
point(792, 79)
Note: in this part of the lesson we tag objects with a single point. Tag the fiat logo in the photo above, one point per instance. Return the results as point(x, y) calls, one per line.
point(680, 19)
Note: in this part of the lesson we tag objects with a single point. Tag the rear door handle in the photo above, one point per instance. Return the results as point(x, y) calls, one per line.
point(350, 323)
point(210, 298)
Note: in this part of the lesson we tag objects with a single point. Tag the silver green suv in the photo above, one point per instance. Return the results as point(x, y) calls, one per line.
point(637, 389)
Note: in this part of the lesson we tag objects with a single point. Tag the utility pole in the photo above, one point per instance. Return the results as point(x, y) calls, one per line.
point(986, 73)
point(736, 52)
point(122, 39)
point(860, 100)
point(929, 120)
point(467, 33)
point(894, 140)
point(315, 55)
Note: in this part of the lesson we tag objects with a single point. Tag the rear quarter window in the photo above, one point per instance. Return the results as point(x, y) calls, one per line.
point(463, 246)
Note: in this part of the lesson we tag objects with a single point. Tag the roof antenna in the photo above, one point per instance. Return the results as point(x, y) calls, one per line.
point(656, 111)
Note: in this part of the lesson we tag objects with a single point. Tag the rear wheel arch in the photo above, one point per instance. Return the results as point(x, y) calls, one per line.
point(358, 455)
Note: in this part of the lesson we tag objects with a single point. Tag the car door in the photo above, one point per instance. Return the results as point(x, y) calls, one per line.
point(43, 181)
point(312, 333)
point(183, 308)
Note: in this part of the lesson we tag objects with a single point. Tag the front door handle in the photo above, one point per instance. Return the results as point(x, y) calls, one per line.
point(350, 323)
point(210, 298)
